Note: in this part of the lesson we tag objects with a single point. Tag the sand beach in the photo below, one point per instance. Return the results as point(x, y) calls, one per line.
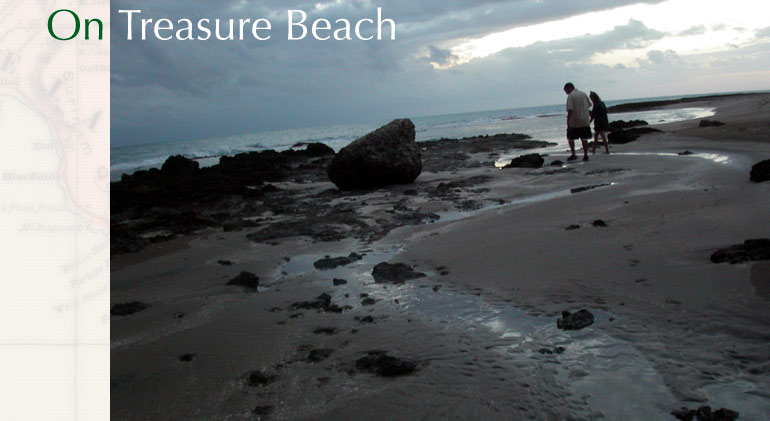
point(494, 257)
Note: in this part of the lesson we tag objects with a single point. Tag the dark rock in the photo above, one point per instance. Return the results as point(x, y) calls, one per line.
point(317, 149)
point(258, 378)
point(322, 301)
point(382, 364)
point(334, 308)
point(367, 319)
point(599, 223)
point(685, 153)
point(704, 413)
point(326, 331)
point(318, 355)
point(416, 217)
point(619, 137)
point(410, 192)
point(126, 309)
point(683, 414)
point(724, 414)
point(389, 155)
point(469, 205)
point(533, 160)
point(186, 358)
point(262, 410)
point(397, 273)
point(621, 124)
point(750, 250)
point(586, 188)
point(179, 165)
point(316, 230)
point(760, 171)
point(575, 321)
point(233, 225)
point(572, 227)
point(557, 163)
point(225, 262)
point(125, 241)
point(710, 123)
point(245, 280)
point(333, 262)
point(368, 301)
point(338, 282)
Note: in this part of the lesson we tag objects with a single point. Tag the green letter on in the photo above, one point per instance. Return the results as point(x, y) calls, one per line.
point(77, 24)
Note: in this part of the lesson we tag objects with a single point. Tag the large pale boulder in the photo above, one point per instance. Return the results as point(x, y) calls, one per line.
point(388, 155)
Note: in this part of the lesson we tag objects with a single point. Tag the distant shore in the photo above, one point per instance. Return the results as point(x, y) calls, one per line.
point(651, 105)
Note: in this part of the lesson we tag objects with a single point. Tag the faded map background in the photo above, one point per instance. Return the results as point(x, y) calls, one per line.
point(54, 214)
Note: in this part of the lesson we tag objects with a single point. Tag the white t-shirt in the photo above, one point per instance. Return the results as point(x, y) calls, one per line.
point(579, 103)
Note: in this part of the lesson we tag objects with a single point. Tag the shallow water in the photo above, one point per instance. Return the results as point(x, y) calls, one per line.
point(717, 158)
point(610, 375)
point(454, 215)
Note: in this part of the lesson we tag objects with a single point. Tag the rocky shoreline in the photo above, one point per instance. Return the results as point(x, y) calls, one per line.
point(277, 195)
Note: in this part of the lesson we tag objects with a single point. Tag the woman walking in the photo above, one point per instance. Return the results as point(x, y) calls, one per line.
point(601, 121)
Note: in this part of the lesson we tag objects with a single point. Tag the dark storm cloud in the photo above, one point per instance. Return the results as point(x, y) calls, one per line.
point(165, 90)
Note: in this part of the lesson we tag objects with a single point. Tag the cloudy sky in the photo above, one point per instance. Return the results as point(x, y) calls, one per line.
point(449, 56)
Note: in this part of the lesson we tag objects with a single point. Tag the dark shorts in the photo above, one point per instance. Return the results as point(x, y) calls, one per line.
point(574, 133)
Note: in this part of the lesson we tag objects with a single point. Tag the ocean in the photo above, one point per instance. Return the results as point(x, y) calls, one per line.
point(542, 123)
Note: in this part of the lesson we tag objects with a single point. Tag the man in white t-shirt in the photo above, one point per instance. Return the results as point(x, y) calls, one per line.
point(578, 119)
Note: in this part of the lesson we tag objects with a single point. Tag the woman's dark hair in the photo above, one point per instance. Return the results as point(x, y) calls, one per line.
point(594, 96)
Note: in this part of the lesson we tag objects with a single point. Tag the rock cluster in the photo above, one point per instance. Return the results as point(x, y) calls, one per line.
point(170, 199)
point(322, 303)
point(533, 160)
point(332, 262)
point(750, 250)
point(619, 137)
point(704, 413)
point(710, 123)
point(382, 364)
point(575, 321)
point(245, 280)
point(126, 309)
point(397, 273)
point(621, 124)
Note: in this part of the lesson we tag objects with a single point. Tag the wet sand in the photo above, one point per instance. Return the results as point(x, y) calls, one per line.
point(672, 329)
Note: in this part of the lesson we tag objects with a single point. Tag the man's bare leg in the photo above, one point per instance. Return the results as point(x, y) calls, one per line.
point(585, 149)
point(572, 148)
point(596, 138)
